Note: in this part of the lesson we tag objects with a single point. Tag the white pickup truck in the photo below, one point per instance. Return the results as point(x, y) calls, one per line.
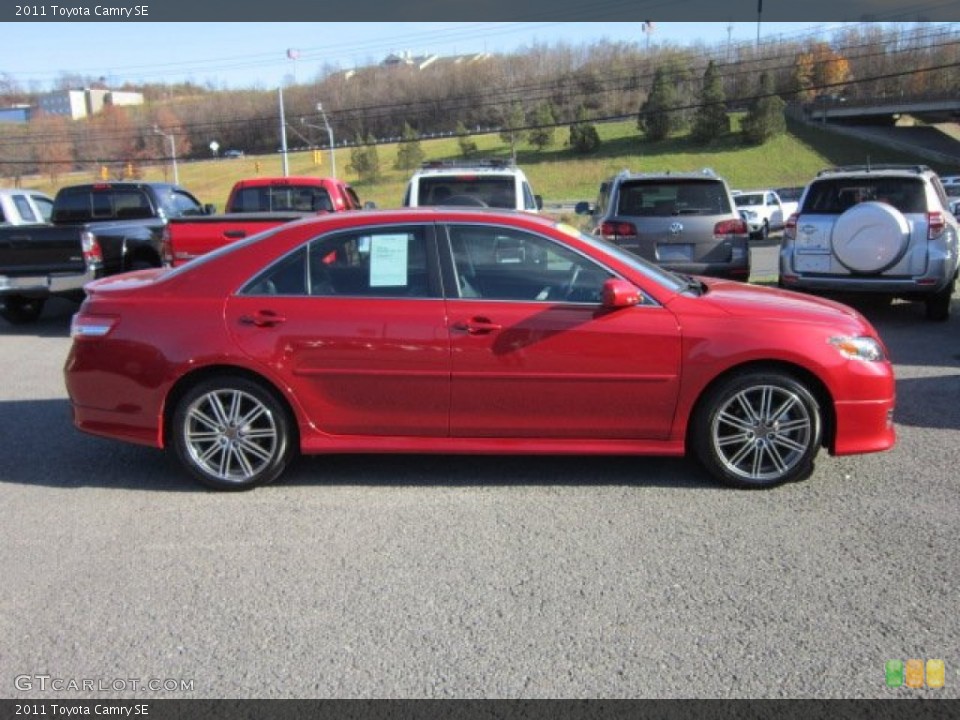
point(24, 207)
point(762, 210)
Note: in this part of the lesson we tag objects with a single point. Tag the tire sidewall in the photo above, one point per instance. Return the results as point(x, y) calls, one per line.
point(720, 395)
point(284, 425)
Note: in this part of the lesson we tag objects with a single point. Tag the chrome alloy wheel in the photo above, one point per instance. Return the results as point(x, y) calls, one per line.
point(230, 434)
point(762, 432)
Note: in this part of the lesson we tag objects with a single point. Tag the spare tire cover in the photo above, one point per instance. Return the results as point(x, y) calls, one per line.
point(870, 237)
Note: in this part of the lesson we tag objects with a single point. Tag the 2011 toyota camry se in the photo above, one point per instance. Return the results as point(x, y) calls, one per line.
point(458, 330)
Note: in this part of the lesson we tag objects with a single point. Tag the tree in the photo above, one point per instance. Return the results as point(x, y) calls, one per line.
point(52, 146)
point(656, 118)
point(364, 159)
point(410, 154)
point(584, 138)
point(765, 118)
point(819, 69)
point(544, 119)
point(468, 148)
point(511, 132)
point(711, 120)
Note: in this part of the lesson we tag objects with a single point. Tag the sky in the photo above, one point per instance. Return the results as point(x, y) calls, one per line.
point(241, 55)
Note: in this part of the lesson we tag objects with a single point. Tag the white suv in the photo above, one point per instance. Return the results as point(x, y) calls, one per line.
point(883, 229)
point(483, 183)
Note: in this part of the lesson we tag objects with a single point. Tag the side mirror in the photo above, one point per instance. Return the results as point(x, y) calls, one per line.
point(583, 208)
point(210, 209)
point(369, 205)
point(617, 293)
point(538, 199)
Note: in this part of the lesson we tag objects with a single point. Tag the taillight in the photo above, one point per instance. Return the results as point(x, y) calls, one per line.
point(790, 227)
point(92, 255)
point(618, 230)
point(730, 227)
point(935, 224)
point(91, 325)
point(166, 248)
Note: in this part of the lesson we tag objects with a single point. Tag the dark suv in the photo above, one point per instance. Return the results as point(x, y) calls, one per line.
point(682, 221)
point(885, 230)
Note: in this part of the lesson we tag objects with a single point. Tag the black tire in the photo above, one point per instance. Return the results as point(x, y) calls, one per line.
point(938, 305)
point(765, 231)
point(757, 429)
point(232, 433)
point(19, 310)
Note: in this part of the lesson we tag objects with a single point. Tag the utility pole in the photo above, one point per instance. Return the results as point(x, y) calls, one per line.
point(759, 14)
point(173, 152)
point(283, 135)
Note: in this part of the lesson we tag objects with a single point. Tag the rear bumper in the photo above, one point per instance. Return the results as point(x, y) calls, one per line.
point(45, 285)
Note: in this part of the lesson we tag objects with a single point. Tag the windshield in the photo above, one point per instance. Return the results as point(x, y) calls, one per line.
point(659, 275)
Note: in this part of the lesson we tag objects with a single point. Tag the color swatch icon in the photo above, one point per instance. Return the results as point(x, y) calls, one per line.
point(898, 673)
point(936, 673)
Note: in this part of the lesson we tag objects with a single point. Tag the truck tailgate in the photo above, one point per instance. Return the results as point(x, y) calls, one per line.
point(40, 250)
point(190, 237)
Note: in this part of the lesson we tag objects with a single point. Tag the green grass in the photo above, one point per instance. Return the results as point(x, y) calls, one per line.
point(556, 173)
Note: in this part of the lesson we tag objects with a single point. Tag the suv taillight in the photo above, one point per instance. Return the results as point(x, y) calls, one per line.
point(790, 227)
point(935, 224)
point(92, 254)
point(730, 227)
point(618, 230)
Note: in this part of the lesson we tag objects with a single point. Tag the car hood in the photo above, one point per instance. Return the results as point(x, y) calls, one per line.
point(761, 302)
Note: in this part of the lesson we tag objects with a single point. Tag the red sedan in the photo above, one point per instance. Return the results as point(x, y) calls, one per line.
point(468, 331)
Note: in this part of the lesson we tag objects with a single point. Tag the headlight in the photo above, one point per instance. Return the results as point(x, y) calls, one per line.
point(858, 348)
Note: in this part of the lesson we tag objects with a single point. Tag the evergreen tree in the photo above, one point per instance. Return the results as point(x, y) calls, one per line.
point(544, 118)
point(511, 132)
point(364, 159)
point(656, 118)
point(468, 148)
point(409, 154)
point(711, 120)
point(765, 118)
point(584, 138)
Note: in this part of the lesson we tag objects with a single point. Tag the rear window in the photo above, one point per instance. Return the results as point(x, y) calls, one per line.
point(494, 191)
point(752, 200)
point(108, 204)
point(283, 197)
point(663, 198)
point(833, 196)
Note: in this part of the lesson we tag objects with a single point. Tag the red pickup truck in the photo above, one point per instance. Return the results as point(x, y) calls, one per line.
point(253, 206)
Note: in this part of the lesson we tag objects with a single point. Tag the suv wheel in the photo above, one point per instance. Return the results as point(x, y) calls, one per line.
point(938, 305)
point(870, 237)
point(18, 310)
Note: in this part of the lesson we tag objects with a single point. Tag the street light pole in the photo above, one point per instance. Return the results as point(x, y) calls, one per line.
point(333, 155)
point(173, 152)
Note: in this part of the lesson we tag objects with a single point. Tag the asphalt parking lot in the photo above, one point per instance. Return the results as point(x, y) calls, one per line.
point(449, 577)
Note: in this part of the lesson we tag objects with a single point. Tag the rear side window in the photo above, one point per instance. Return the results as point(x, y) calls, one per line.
point(673, 197)
point(833, 196)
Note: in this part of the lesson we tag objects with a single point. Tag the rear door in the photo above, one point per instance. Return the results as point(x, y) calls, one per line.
point(355, 323)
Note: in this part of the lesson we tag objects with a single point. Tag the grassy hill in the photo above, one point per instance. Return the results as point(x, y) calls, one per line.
point(556, 173)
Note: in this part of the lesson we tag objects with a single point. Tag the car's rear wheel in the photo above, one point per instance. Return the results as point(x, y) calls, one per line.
point(232, 433)
point(938, 304)
point(19, 310)
point(757, 430)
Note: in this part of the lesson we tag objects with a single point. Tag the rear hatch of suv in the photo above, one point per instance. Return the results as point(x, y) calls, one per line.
point(676, 221)
point(863, 226)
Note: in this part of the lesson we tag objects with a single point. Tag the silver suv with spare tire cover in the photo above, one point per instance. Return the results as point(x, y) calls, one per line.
point(884, 230)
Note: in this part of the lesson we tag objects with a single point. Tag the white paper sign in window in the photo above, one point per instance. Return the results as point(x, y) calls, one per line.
point(388, 260)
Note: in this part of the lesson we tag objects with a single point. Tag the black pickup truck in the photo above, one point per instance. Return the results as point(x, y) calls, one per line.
point(95, 230)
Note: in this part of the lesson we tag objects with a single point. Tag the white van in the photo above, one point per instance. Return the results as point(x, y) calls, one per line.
point(482, 183)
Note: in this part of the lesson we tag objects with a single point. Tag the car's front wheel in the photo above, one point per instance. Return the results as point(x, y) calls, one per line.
point(758, 429)
point(232, 433)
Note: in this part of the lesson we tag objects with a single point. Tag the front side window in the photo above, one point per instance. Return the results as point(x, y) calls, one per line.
point(378, 263)
point(23, 206)
point(181, 204)
point(496, 263)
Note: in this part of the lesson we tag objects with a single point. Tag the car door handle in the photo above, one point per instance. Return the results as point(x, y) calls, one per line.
point(262, 318)
point(477, 326)
point(235, 233)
